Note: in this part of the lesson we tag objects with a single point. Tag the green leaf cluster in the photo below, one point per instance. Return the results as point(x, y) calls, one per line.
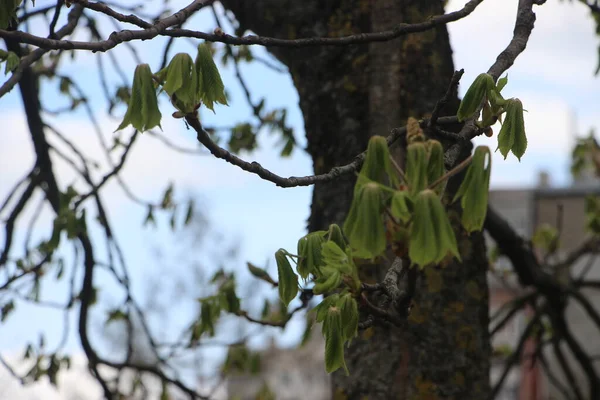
point(337, 267)
point(424, 166)
point(187, 82)
point(486, 94)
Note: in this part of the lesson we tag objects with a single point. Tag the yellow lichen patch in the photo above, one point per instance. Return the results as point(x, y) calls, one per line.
point(434, 280)
point(459, 379)
point(360, 60)
point(426, 389)
point(340, 24)
point(452, 311)
point(474, 290)
point(291, 32)
point(348, 85)
point(364, 6)
point(465, 338)
point(339, 394)
point(417, 315)
point(368, 333)
point(412, 43)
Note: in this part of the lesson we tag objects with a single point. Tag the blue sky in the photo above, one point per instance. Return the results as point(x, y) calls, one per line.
point(554, 79)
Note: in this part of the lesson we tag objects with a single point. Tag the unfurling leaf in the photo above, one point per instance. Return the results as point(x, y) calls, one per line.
point(182, 83)
point(377, 166)
point(336, 236)
point(288, 280)
point(432, 237)
point(474, 96)
point(474, 190)
point(416, 167)
point(349, 315)
point(309, 251)
point(213, 90)
point(501, 83)
point(322, 309)
point(401, 206)
point(512, 135)
point(364, 225)
point(329, 280)
point(341, 261)
point(435, 164)
point(142, 109)
point(334, 341)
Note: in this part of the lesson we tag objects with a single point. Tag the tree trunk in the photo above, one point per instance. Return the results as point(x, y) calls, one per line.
point(348, 94)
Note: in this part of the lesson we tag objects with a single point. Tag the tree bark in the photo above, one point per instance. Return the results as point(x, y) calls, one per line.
point(347, 95)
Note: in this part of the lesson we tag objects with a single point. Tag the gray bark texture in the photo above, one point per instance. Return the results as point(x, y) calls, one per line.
point(348, 94)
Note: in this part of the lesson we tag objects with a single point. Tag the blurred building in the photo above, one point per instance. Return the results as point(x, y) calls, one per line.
point(526, 210)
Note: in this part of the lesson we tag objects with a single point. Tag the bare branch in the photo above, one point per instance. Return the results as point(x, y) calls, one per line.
point(160, 28)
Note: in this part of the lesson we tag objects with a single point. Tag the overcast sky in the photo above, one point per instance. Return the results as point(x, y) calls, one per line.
point(553, 78)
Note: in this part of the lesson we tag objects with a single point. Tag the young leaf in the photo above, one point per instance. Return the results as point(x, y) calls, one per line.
point(349, 315)
point(213, 90)
point(288, 280)
point(512, 135)
point(474, 190)
point(435, 164)
point(474, 96)
point(416, 167)
point(309, 251)
point(335, 257)
point(364, 224)
point(322, 309)
point(336, 236)
point(377, 162)
point(501, 83)
point(182, 83)
point(334, 342)
point(401, 206)
point(329, 281)
point(12, 62)
point(142, 110)
point(432, 236)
